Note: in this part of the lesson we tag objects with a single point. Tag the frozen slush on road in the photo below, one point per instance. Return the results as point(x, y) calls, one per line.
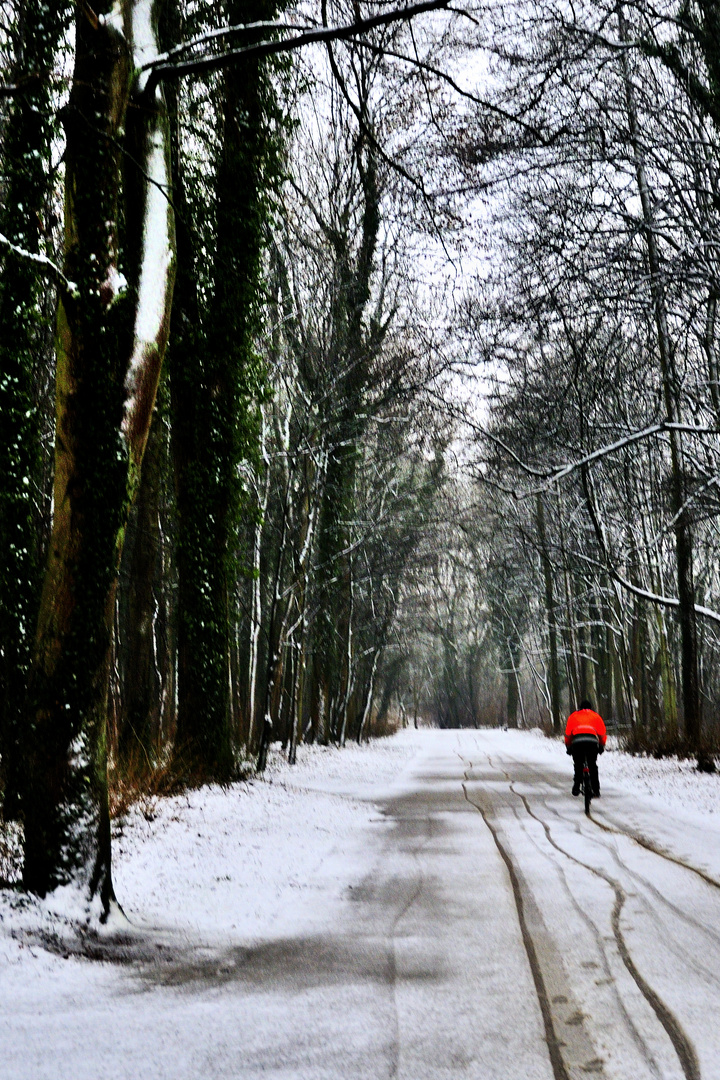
point(435, 905)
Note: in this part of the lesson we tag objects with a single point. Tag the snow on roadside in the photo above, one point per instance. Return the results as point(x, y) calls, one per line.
point(242, 862)
point(246, 860)
point(268, 862)
point(676, 782)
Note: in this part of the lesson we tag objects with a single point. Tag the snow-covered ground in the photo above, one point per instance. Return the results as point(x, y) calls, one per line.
point(251, 858)
point(264, 878)
point(678, 784)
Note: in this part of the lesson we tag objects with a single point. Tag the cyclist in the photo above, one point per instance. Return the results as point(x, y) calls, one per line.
point(585, 736)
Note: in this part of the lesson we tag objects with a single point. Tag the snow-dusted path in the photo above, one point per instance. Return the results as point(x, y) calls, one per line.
point(620, 915)
point(463, 920)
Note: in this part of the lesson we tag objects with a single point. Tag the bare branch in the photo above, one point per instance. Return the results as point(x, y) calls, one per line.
point(212, 36)
point(645, 594)
point(669, 55)
point(699, 93)
point(553, 476)
point(518, 461)
point(163, 69)
point(430, 69)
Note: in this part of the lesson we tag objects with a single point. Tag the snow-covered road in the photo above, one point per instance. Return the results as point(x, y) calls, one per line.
point(440, 909)
point(620, 916)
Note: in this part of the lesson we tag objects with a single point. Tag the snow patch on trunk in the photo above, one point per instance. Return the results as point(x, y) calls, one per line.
point(145, 47)
point(157, 253)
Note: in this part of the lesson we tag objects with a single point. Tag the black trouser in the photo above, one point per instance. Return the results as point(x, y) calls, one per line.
point(579, 754)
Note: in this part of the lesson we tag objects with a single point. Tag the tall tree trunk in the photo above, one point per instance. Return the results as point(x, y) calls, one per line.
point(512, 698)
point(26, 149)
point(603, 655)
point(256, 596)
point(276, 634)
point(369, 691)
point(110, 345)
point(550, 614)
point(141, 677)
point(216, 387)
point(349, 666)
point(671, 392)
point(354, 348)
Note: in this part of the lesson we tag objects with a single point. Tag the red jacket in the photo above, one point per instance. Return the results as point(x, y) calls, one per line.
point(585, 722)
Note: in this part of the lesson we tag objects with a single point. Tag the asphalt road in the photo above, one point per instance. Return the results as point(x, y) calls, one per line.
point(496, 933)
point(621, 933)
point(476, 925)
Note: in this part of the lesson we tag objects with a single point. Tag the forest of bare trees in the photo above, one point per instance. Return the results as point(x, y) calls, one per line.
point(357, 365)
point(592, 538)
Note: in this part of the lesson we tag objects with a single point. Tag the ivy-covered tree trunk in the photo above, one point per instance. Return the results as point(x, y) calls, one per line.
point(354, 347)
point(333, 626)
point(142, 667)
point(26, 185)
point(216, 381)
point(111, 337)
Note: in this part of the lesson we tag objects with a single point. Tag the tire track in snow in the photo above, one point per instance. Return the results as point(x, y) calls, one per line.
point(646, 887)
point(646, 844)
point(632, 1027)
point(643, 842)
point(415, 851)
point(620, 830)
point(553, 1043)
point(680, 1041)
point(707, 972)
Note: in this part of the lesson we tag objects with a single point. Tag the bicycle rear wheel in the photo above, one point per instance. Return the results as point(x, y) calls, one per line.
point(587, 788)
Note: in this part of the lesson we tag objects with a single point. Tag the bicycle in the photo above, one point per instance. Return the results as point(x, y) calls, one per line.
point(586, 785)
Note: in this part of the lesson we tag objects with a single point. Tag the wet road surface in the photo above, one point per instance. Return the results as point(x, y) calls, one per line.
point(485, 929)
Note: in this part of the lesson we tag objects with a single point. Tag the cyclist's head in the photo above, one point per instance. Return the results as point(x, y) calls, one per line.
point(586, 704)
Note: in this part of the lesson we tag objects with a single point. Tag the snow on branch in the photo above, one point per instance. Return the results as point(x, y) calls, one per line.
point(645, 594)
point(51, 268)
point(164, 67)
point(553, 476)
point(596, 455)
point(213, 36)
